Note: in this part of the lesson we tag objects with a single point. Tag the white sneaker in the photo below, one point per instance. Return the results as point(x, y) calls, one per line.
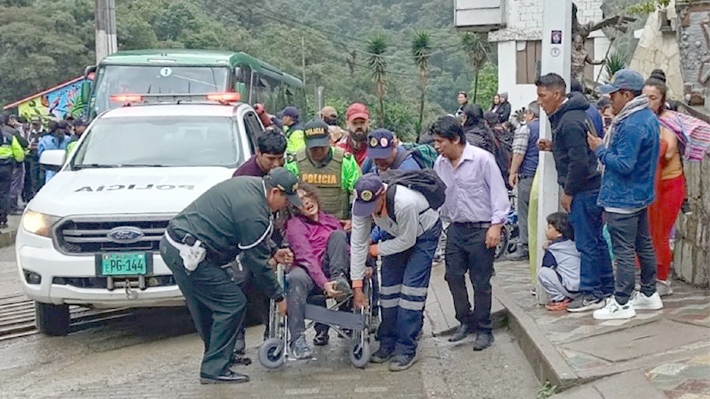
point(613, 311)
point(639, 301)
point(664, 287)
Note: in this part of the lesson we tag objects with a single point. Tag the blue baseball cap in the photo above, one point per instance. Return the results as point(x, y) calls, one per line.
point(380, 143)
point(625, 79)
point(367, 189)
point(291, 111)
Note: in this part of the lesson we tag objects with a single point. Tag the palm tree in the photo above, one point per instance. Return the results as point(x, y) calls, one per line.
point(376, 47)
point(477, 52)
point(421, 51)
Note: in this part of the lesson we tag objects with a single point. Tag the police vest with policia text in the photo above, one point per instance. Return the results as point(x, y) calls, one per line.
point(328, 179)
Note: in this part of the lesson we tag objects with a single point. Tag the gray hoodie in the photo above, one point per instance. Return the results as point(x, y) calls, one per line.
point(568, 263)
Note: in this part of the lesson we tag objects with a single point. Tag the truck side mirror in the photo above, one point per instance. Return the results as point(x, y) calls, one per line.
point(87, 83)
point(53, 157)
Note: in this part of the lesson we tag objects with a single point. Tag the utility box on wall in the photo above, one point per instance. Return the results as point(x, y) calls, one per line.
point(479, 15)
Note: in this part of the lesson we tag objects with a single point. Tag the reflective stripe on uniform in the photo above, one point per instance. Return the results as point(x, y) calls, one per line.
point(414, 291)
point(391, 290)
point(411, 305)
point(389, 303)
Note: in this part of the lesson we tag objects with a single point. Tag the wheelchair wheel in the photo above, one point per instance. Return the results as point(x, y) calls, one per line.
point(271, 353)
point(359, 353)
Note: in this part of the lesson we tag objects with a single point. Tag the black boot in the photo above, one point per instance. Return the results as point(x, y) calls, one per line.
point(483, 341)
point(227, 377)
point(463, 332)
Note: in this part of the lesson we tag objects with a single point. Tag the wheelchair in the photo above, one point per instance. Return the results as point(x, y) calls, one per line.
point(275, 351)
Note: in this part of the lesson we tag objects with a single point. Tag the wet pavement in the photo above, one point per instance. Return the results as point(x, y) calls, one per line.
point(154, 353)
point(671, 347)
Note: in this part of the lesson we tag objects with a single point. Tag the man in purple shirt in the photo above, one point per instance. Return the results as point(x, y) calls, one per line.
point(476, 206)
point(270, 151)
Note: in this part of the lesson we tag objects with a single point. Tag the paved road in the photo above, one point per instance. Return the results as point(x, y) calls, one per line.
point(155, 354)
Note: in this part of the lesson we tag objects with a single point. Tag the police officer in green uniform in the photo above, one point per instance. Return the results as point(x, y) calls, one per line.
point(234, 217)
point(330, 169)
point(11, 153)
point(292, 129)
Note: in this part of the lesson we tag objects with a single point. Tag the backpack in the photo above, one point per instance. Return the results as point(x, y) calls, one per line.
point(424, 154)
point(425, 181)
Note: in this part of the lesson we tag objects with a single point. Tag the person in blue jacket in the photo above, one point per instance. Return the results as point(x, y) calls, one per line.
point(628, 156)
point(57, 139)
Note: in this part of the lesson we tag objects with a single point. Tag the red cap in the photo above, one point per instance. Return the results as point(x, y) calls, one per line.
point(357, 111)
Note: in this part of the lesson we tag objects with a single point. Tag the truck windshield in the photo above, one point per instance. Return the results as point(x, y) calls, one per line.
point(159, 142)
point(156, 79)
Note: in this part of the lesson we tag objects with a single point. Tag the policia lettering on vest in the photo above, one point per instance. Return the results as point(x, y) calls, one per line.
point(330, 169)
point(232, 218)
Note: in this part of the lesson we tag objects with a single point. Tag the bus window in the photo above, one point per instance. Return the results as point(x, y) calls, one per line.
point(242, 80)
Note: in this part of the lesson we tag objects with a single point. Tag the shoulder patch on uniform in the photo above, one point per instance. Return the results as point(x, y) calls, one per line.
point(290, 158)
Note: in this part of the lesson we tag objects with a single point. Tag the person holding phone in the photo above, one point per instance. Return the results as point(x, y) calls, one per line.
point(578, 176)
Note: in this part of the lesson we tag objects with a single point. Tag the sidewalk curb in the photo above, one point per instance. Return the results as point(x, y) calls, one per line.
point(547, 363)
point(7, 238)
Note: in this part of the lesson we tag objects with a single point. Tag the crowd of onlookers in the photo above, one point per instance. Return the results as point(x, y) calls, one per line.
point(619, 166)
point(21, 175)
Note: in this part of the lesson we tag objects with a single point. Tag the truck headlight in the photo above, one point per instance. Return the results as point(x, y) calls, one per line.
point(38, 223)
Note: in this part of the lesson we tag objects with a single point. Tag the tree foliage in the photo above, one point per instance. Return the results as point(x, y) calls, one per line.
point(376, 47)
point(46, 42)
point(421, 52)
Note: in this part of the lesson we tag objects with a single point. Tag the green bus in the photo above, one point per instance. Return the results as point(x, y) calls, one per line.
point(189, 71)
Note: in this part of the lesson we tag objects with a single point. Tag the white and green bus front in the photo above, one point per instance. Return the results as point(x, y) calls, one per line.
point(188, 72)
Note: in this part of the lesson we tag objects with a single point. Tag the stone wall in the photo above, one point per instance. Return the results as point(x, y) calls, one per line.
point(691, 261)
point(694, 42)
point(658, 49)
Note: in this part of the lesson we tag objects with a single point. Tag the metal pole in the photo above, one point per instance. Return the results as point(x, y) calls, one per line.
point(105, 29)
point(303, 58)
point(556, 57)
point(319, 97)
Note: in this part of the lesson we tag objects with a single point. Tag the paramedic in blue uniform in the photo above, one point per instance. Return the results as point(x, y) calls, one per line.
point(414, 229)
point(234, 217)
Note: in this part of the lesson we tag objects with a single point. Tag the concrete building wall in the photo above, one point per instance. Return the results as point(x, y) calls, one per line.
point(524, 23)
point(519, 95)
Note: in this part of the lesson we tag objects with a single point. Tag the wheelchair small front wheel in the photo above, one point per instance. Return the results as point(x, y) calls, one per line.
point(360, 353)
point(271, 353)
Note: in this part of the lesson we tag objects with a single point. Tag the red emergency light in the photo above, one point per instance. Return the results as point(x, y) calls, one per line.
point(126, 98)
point(228, 97)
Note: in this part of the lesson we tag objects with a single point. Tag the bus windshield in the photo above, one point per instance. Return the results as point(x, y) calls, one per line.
point(156, 79)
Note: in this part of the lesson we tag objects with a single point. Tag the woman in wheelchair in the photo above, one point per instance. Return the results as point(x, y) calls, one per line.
point(322, 263)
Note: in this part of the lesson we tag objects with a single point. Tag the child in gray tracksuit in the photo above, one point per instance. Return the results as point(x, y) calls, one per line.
point(560, 271)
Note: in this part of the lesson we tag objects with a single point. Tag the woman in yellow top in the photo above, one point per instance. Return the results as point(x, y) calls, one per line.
point(670, 188)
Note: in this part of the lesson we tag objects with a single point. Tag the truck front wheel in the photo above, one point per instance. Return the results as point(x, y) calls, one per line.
point(52, 319)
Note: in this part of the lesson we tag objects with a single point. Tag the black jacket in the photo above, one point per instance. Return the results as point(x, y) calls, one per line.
point(575, 162)
point(503, 111)
point(480, 136)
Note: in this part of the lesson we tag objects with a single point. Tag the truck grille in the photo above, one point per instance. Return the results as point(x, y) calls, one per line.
point(87, 236)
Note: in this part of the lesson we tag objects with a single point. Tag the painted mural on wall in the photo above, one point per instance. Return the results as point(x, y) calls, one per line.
point(58, 102)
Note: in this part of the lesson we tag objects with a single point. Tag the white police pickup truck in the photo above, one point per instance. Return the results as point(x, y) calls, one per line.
point(90, 236)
